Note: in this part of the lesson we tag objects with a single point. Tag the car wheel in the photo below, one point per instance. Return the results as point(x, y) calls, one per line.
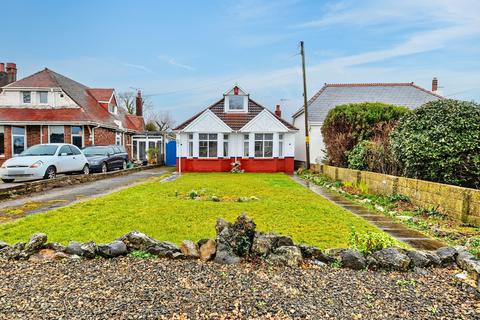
point(51, 173)
point(104, 167)
point(86, 169)
point(124, 165)
point(8, 180)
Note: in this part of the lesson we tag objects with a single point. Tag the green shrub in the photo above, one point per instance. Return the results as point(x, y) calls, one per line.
point(346, 125)
point(357, 157)
point(370, 241)
point(440, 142)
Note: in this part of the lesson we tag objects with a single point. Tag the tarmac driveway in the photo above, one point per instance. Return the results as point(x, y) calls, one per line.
point(16, 208)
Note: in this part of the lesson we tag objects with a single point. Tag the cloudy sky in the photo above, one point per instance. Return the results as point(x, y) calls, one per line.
point(185, 54)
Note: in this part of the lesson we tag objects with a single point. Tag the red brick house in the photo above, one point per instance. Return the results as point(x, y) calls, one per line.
point(47, 107)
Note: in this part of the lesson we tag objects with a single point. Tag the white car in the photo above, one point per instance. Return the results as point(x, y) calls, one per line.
point(44, 161)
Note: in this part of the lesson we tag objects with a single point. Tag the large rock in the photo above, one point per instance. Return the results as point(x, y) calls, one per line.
point(353, 259)
point(3, 245)
point(89, 249)
point(419, 259)
point(207, 250)
point(466, 261)
point(43, 255)
point(221, 224)
point(55, 246)
point(74, 247)
point(189, 249)
point(37, 241)
point(139, 241)
point(447, 255)
point(311, 252)
point(433, 258)
point(14, 252)
point(224, 251)
point(390, 259)
point(290, 256)
point(265, 243)
point(112, 250)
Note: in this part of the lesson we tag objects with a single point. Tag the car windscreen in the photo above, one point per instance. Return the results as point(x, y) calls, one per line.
point(97, 151)
point(40, 150)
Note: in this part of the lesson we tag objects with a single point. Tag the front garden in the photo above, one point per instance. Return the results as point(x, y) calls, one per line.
point(188, 207)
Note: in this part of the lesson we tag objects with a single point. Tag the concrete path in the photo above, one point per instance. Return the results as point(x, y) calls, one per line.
point(60, 197)
point(413, 238)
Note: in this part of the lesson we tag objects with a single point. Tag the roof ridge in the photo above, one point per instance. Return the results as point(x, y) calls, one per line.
point(369, 84)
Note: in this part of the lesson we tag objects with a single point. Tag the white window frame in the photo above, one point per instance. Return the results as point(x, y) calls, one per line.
point(208, 140)
point(280, 145)
point(50, 132)
point(190, 145)
point(118, 138)
point(22, 97)
point(227, 104)
point(17, 135)
point(77, 135)
point(39, 96)
point(263, 140)
point(246, 145)
point(225, 145)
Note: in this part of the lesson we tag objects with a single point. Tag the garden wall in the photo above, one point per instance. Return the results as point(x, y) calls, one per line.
point(457, 202)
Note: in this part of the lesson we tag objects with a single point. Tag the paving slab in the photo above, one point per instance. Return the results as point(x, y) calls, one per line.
point(413, 238)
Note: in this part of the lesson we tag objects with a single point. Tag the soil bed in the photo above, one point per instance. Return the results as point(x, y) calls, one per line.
point(130, 288)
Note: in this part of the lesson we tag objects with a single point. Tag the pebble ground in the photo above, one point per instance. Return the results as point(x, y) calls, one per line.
point(130, 288)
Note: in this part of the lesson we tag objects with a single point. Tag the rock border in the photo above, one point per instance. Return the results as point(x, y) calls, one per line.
point(239, 241)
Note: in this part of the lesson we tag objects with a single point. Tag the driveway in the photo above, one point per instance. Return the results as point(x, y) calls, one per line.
point(63, 196)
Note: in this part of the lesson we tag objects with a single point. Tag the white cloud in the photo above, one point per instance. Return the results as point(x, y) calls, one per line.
point(138, 66)
point(175, 63)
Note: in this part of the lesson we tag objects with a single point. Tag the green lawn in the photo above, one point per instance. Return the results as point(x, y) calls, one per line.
point(165, 212)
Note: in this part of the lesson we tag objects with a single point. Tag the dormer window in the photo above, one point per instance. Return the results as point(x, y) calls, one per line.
point(236, 100)
point(26, 97)
point(43, 97)
point(112, 108)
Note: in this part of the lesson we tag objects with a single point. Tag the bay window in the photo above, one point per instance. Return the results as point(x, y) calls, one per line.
point(225, 145)
point(246, 145)
point(280, 145)
point(56, 134)
point(263, 145)
point(207, 145)
point(190, 145)
point(18, 140)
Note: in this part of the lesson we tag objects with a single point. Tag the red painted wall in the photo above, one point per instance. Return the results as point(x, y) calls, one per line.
point(249, 165)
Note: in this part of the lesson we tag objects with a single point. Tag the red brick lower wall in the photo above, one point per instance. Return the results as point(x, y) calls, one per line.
point(249, 165)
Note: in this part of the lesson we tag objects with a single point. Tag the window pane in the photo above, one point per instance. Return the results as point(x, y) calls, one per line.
point(203, 136)
point(65, 149)
point(280, 136)
point(245, 148)
point(225, 148)
point(57, 138)
point(268, 152)
point(76, 130)
point(212, 136)
point(77, 141)
point(258, 136)
point(27, 97)
point(75, 150)
point(135, 148)
point(235, 102)
point(225, 137)
point(280, 148)
point(18, 144)
point(212, 150)
point(18, 130)
point(151, 144)
point(56, 129)
point(190, 149)
point(190, 136)
point(203, 149)
point(258, 149)
point(246, 137)
point(2, 139)
point(43, 97)
point(268, 136)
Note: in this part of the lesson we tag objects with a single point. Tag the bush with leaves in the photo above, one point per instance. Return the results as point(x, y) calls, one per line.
point(370, 241)
point(440, 142)
point(346, 125)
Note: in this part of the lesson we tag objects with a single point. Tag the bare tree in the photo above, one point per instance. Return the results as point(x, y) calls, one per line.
point(163, 119)
point(127, 101)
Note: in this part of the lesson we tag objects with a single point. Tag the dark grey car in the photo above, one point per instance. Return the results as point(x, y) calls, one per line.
point(106, 158)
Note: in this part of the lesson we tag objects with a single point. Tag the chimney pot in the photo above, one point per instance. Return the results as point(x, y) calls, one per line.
point(278, 111)
point(139, 104)
point(434, 84)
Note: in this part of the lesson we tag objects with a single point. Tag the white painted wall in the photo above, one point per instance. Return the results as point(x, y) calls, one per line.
point(317, 146)
point(10, 97)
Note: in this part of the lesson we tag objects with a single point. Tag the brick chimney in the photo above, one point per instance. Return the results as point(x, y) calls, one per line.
point(2, 67)
point(12, 72)
point(278, 111)
point(139, 104)
point(434, 85)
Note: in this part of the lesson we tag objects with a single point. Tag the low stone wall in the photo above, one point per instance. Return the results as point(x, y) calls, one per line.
point(457, 202)
point(43, 185)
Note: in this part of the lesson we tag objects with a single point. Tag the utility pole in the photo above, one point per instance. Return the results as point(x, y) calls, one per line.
point(305, 107)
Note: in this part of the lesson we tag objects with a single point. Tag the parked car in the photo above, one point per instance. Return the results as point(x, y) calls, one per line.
point(44, 161)
point(106, 158)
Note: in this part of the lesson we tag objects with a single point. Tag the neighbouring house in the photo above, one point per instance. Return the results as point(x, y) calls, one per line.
point(331, 95)
point(236, 128)
point(47, 107)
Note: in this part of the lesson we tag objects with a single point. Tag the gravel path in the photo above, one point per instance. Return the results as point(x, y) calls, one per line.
point(128, 288)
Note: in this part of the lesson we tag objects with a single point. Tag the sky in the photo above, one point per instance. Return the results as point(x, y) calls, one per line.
point(184, 55)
